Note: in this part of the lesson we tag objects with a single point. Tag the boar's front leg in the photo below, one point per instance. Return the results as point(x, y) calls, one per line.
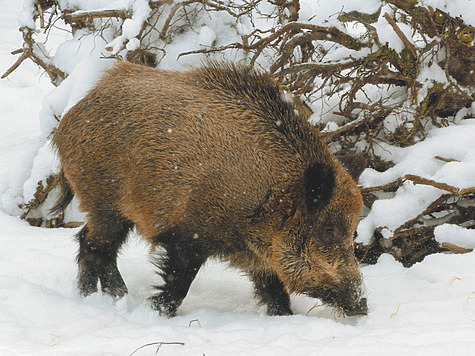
point(99, 243)
point(270, 290)
point(178, 268)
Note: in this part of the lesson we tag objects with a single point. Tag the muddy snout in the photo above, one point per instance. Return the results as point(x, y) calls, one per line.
point(359, 308)
point(353, 302)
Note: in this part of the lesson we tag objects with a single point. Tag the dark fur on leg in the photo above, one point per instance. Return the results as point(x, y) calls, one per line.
point(270, 290)
point(87, 275)
point(97, 257)
point(178, 268)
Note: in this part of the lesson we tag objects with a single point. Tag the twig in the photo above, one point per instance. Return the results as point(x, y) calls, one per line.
point(89, 15)
point(50, 69)
point(400, 34)
point(194, 321)
point(331, 34)
point(424, 181)
point(392, 315)
point(426, 211)
point(369, 116)
point(391, 185)
point(40, 12)
point(419, 180)
point(454, 248)
point(157, 4)
point(466, 191)
point(30, 50)
point(446, 159)
point(403, 4)
point(314, 307)
point(17, 51)
point(319, 68)
point(159, 345)
point(15, 65)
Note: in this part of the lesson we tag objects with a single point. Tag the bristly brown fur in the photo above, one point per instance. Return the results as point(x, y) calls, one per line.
point(210, 162)
point(258, 91)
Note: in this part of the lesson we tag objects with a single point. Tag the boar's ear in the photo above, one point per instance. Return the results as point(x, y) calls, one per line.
point(354, 163)
point(319, 181)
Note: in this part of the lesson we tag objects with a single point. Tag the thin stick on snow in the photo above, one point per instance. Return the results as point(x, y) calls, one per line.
point(395, 313)
point(314, 307)
point(194, 321)
point(443, 159)
point(159, 345)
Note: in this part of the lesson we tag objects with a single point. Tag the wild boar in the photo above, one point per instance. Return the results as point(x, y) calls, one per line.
point(209, 162)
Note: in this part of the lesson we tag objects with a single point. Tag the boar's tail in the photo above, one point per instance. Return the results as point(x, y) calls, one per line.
point(65, 195)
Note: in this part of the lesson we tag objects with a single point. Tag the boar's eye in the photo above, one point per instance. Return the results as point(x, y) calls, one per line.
point(331, 234)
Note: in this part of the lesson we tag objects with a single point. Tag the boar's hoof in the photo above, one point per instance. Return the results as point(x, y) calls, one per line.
point(87, 281)
point(165, 306)
point(112, 282)
point(116, 288)
point(360, 309)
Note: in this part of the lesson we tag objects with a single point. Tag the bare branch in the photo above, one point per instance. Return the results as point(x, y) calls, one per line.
point(400, 34)
point(89, 15)
point(432, 207)
point(442, 186)
point(319, 68)
point(15, 65)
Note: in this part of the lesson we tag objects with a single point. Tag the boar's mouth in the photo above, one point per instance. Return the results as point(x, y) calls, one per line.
point(349, 302)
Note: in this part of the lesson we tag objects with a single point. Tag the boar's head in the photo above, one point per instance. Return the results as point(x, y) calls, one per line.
point(312, 248)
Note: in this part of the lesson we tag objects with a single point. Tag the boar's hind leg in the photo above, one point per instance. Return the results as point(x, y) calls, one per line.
point(99, 243)
point(270, 290)
point(178, 267)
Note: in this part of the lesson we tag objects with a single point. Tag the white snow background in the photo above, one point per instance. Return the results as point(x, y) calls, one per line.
point(428, 309)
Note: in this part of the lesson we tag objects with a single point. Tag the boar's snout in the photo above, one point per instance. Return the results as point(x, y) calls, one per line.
point(359, 308)
point(348, 299)
point(352, 301)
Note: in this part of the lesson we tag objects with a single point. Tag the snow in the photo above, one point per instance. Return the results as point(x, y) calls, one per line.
point(131, 27)
point(25, 18)
point(206, 36)
point(428, 309)
point(419, 159)
point(456, 235)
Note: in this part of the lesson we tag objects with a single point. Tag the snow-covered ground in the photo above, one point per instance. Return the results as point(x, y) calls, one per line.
point(428, 309)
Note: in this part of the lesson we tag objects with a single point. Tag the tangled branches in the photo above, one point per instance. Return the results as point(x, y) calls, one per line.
point(37, 53)
point(413, 240)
